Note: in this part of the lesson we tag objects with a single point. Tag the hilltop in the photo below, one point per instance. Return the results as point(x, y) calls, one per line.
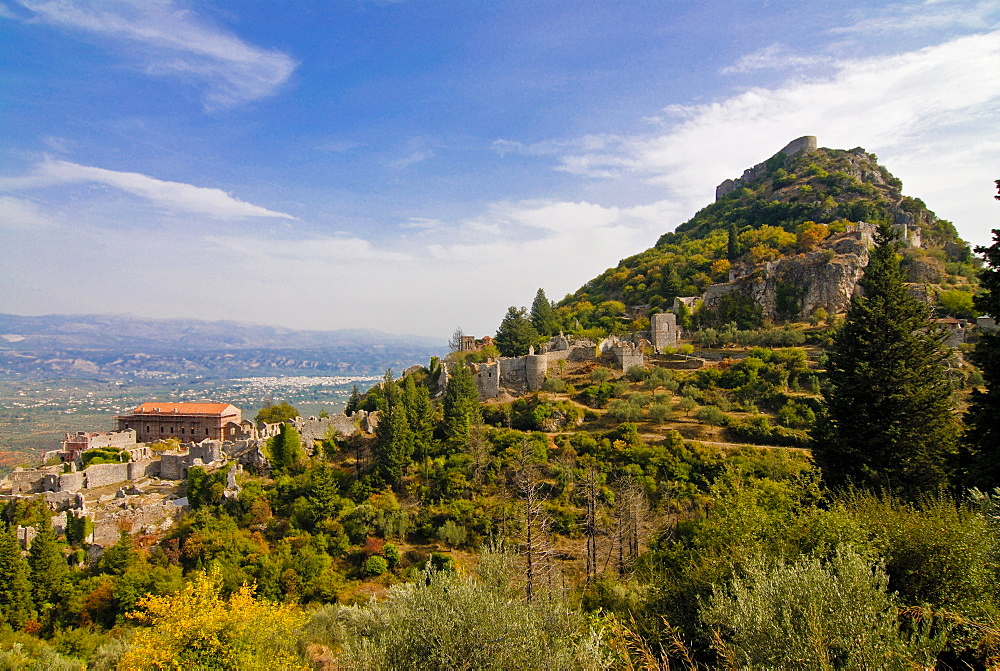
point(783, 222)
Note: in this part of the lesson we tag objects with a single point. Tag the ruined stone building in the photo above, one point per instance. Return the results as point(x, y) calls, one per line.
point(81, 441)
point(156, 420)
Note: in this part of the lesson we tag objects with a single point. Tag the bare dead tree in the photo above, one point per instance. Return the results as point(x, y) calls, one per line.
point(535, 532)
point(455, 342)
point(631, 520)
point(478, 448)
point(590, 519)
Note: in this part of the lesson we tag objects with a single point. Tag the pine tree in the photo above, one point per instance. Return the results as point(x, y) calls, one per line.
point(47, 567)
point(393, 448)
point(354, 402)
point(15, 590)
point(889, 421)
point(671, 287)
point(543, 317)
point(461, 406)
point(982, 438)
point(516, 334)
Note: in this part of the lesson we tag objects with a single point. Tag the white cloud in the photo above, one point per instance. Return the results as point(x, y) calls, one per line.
point(773, 57)
point(944, 97)
point(170, 40)
point(17, 213)
point(412, 158)
point(334, 251)
point(169, 196)
point(930, 15)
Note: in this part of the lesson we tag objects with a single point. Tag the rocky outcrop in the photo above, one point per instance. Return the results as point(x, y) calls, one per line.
point(796, 286)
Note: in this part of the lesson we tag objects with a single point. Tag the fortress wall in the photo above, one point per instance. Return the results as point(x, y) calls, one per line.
point(144, 468)
point(71, 482)
point(487, 379)
point(172, 466)
point(536, 367)
point(100, 475)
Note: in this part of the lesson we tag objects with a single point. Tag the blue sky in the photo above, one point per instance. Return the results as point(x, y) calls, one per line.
point(414, 166)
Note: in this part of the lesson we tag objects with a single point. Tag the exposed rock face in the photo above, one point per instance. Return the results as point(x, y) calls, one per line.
point(795, 286)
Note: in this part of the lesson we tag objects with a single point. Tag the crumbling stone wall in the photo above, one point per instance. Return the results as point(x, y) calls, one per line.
point(664, 331)
point(101, 475)
point(487, 379)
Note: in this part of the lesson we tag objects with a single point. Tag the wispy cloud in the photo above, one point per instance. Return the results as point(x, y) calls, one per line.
point(17, 213)
point(333, 250)
point(167, 39)
point(773, 57)
point(169, 196)
point(910, 100)
point(412, 158)
point(930, 15)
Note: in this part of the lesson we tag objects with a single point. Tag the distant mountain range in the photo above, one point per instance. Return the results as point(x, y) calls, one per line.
point(124, 345)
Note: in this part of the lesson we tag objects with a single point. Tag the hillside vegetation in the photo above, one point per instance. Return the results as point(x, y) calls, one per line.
point(820, 494)
point(793, 207)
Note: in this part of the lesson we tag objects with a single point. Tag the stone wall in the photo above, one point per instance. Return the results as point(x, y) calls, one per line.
point(663, 331)
point(487, 379)
point(101, 475)
point(315, 429)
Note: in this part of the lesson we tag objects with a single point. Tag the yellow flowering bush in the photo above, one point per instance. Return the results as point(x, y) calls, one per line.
point(197, 628)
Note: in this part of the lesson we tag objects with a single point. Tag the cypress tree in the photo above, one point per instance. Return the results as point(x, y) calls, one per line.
point(888, 422)
point(671, 287)
point(733, 246)
point(542, 316)
point(354, 402)
point(420, 414)
point(15, 589)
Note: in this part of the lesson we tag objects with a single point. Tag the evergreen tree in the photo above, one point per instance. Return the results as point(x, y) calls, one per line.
point(889, 421)
point(286, 448)
point(420, 414)
point(119, 557)
point(543, 317)
point(393, 448)
point(671, 287)
point(982, 439)
point(354, 402)
point(516, 334)
point(733, 245)
point(461, 406)
point(47, 567)
point(15, 590)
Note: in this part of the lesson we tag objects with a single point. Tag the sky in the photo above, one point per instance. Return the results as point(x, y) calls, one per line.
point(414, 166)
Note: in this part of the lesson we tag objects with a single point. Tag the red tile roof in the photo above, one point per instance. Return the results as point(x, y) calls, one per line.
point(158, 408)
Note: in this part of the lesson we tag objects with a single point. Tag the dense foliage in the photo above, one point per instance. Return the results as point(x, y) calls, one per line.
point(888, 421)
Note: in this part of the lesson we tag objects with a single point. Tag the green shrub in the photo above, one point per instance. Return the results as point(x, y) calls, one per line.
point(447, 620)
point(554, 385)
point(660, 412)
point(813, 615)
point(710, 414)
point(624, 410)
point(374, 565)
